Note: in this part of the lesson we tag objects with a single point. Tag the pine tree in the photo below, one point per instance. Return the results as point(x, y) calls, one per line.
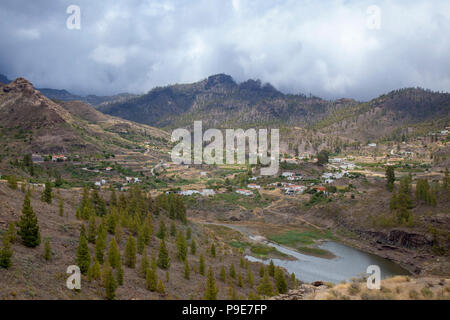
point(181, 246)
point(12, 182)
point(113, 198)
point(98, 203)
point(280, 281)
point(148, 230)
point(160, 288)
point(201, 266)
point(114, 254)
point(95, 271)
point(261, 271)
point(232, 271)
point(82, 230)
point(294, 281)
point(265, 287)
point(47, 194)
point(253, 296)
point(130, 252)
point(188, 233)
point(223, 274)
point(118, 233)
point(250, 278)
point(151, 279)
point(446, 182)
point(28, 225)
point(162, 230)
point(92, 230)
point(145, 263)
point(5, 253)
point(390, 177)
point(83, 259)
point(232, 295)
point(61, 207)
point(394, 201)
point(211, 288)
point(173, 229)
point(163, 256)
point(119, 274)
point(193, 247)
point(111, 221)
point(140, 241)
point(47, 250)
point(100, 246)
point(271, 269)
point(187, 269)
point(109, 282)
point(240, 280)
point(213, 250)
point(11, 233)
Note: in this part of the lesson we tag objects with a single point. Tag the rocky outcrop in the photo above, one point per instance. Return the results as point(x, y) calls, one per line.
point(304, 291)
point(20, 85)
point(398, 238)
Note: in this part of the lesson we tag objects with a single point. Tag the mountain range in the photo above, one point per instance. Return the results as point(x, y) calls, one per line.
point(221, 102)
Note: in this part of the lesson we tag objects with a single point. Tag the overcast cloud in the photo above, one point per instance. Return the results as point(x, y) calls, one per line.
point(322, 47)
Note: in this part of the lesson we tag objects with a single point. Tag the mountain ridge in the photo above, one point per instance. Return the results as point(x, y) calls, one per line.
point(30, 122)
point(221, 102)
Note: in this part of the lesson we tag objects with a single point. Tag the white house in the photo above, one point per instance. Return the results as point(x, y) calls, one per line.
point(188, 192)
point(208, 192)
point(287, 174)
point(37, 158)
point(335, 160)
point(372, 145)
point(244, 192)
point(254, 186)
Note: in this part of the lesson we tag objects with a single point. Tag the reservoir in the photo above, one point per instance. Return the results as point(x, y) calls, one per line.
point(349, 262)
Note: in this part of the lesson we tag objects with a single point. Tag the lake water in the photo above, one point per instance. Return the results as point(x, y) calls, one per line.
point(349, 262)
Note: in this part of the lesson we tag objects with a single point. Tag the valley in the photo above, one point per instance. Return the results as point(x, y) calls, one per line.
point(359, 183)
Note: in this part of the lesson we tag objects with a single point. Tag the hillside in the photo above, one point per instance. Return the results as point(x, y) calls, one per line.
point(32, 276)
point(390, 115)
point(30, 122)
point(220, 102)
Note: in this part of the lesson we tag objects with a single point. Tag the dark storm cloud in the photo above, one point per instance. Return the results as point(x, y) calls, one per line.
point(324, 47)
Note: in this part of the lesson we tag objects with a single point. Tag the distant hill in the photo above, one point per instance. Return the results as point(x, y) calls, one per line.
point(64, 95)
point(390, 115)
point(30, 122)
point(221, 102)
point(4, 79)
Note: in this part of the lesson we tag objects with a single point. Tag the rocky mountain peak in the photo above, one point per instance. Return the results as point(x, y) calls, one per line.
point(220, 80)
point(20, 85)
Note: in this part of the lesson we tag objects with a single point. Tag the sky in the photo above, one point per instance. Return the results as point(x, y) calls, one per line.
point(332, 49)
